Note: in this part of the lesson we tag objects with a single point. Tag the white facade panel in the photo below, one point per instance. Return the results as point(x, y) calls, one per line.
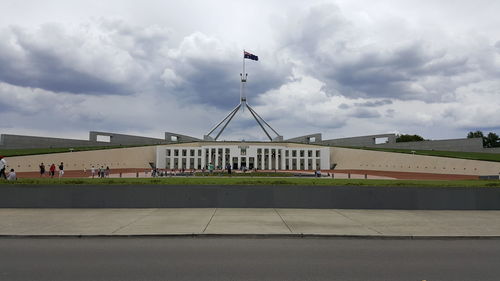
point(260, 156)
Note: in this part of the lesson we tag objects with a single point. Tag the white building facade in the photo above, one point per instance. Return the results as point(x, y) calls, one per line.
point(254, 155)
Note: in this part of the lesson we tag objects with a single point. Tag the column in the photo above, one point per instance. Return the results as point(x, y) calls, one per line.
point(283, 163)
point(223, 158)
point(276, 159)
point(270, 161)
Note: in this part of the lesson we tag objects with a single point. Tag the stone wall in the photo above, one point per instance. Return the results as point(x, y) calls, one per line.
point(359, 159)
point(134, 157)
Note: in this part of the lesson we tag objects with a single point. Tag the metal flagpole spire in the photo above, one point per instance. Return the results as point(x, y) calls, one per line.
point(243, 103)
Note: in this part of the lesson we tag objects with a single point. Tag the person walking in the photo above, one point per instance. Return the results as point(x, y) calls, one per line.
point(61, 169)
point(92, 171)
point(42, 169)
point(3, 165)
point(52, 170)
point(107, 171)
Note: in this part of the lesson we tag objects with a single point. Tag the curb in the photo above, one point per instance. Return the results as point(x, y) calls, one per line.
point(260, 236)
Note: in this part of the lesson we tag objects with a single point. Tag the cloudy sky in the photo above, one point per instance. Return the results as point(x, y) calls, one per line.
point(342, 68)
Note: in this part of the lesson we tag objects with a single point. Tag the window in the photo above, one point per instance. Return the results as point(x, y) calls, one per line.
point(302, 153)
point(176, 152)
point(286, 153)
point(191, 152)
point(243, 151)
point(294, 153)
point(317, 153)
point(169, 152)
point(184, 152)
point(381, 140)
point(309, 153)
point(101, 138)
point(199, 152)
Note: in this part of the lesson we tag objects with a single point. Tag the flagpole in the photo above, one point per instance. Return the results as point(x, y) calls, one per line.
point(243, 62)
point(241, 77)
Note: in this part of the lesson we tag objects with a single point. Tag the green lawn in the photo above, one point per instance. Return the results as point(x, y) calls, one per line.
point(256, 181)
point(34, 151)
point(494, 157)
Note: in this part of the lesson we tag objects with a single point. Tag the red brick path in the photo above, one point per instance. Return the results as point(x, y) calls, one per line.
point(396, 175)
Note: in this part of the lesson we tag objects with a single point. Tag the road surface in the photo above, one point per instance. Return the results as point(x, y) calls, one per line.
point(226, 258)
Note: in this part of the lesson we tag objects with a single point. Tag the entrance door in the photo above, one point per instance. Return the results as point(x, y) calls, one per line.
point(235, 163)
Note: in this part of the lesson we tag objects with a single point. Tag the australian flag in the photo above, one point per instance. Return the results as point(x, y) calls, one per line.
point(247, 55)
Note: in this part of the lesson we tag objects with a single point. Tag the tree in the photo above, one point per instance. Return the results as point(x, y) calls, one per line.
point(407, 138)
point(492, 140)
point(476, 134)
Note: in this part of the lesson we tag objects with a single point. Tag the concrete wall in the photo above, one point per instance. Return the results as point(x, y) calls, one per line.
point(315, 197)
point(179, 138)
point(307, 138)
point(359, 141)
point(17, 141)
point(121, 139)
point(135, 157)
point(468, 145)
point(491, 150)
point(465, 144)
point(358, 159)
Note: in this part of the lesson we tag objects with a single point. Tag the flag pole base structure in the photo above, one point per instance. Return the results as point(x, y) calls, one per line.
point(268, 130)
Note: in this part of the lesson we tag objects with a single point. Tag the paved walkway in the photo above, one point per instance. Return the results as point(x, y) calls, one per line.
point(75, 222)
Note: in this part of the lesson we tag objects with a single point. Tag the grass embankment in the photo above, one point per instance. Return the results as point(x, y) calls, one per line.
point(494, 157)
point(256, 181)
point(35, 151)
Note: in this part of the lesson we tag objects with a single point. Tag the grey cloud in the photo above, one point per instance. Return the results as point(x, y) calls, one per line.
point(343, 106)
point(374, 103)
point(365, 113)
point(331, 51)
point(100, 59)
point(206, 72)
point(497, 45)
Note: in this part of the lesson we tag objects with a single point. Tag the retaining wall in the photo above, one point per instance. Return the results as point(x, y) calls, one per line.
point(311, 197)
point(133, 157)
point(358, 159)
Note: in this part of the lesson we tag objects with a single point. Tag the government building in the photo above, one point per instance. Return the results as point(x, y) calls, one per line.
point(243, 155)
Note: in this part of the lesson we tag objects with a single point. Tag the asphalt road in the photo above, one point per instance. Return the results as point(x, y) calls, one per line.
point(247, 259)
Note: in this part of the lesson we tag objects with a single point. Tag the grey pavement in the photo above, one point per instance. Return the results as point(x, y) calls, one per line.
point(247, 259)
point(210, 221)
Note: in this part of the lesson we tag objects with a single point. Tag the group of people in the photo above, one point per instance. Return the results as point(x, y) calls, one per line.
point(52, 170)
point(101, 172)
point(11, 176)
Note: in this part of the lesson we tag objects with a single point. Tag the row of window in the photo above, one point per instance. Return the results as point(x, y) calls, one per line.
point(246, 162)
point(192, 152)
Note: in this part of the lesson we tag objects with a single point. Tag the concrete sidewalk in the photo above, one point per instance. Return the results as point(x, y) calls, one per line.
point(328, 222)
